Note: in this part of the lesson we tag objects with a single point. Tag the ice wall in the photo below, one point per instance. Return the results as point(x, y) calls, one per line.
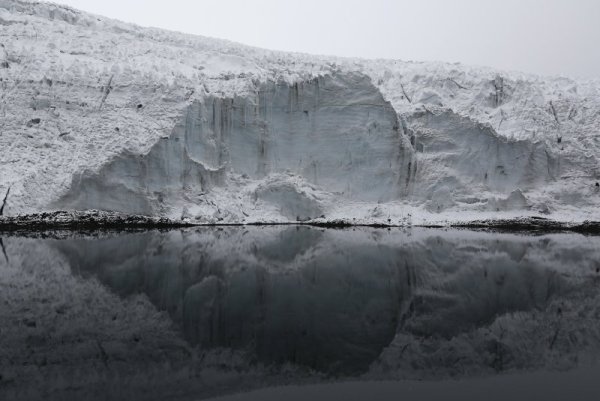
point(335, 132)
point(461, 161)
point(337, 136)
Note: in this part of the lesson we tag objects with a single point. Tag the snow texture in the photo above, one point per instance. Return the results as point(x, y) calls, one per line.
point(100, 114)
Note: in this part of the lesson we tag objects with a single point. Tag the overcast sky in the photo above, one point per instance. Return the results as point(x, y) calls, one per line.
point(539, 36)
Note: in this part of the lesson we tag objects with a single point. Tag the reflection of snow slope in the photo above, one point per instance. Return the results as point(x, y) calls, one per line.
point(99, 113)
point(61, 334)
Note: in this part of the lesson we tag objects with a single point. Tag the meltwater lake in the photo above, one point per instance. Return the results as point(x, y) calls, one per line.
point(197, 313)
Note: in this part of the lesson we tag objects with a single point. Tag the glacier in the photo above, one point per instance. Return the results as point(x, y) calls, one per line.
point(101, 114)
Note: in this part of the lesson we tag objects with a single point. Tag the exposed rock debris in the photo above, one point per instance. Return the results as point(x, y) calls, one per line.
point(84, 219)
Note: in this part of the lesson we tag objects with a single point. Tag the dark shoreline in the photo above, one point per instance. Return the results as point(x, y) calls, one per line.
point(87, 221)
point(532, 225)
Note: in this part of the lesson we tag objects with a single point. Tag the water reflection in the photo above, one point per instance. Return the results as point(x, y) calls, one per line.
point(290, 303)
point(288, 295)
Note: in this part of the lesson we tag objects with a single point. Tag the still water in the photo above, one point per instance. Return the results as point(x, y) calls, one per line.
point(197, 313)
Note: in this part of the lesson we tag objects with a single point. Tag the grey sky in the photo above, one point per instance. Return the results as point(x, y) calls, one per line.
point(539, 36)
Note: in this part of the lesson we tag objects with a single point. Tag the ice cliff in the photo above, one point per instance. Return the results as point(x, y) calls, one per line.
point(102, 114)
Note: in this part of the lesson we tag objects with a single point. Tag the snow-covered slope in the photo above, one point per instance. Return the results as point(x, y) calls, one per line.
point(96, 113)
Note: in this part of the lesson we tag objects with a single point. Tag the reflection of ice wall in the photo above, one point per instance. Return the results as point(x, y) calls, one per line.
point(334, 300)
point(412, 304)
point(64, 337)
point(288, 297)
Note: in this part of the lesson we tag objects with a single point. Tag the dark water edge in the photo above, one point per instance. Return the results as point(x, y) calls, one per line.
point(191, 313)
